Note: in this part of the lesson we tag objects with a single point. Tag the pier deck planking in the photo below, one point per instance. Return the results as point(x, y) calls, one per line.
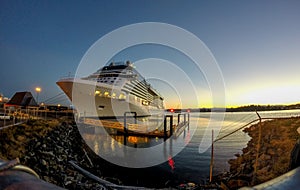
point(136, 129)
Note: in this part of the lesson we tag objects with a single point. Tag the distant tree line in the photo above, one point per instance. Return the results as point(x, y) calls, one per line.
point(248, 108)
point(263, 108)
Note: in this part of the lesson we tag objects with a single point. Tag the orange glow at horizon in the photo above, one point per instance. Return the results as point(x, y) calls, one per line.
point(288, 94)
point(273, 95)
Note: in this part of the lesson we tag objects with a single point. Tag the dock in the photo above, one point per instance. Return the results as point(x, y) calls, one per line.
point(134, 129)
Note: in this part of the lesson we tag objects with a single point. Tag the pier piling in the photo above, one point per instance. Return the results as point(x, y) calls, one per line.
point(125, 124)
point(165, 126)
point(125, 120)
point(184, 117)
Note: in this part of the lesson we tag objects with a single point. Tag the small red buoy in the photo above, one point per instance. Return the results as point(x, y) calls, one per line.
point(171, 163)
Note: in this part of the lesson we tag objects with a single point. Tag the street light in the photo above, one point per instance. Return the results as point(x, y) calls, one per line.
point(38, 90)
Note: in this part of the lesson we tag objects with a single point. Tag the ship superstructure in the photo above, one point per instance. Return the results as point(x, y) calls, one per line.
point(111, 91)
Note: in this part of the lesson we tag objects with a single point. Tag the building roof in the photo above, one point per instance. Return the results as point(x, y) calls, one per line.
point(23, 99)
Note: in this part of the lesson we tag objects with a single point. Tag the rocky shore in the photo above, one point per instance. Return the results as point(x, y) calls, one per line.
point(267, 155)
point(48, 147)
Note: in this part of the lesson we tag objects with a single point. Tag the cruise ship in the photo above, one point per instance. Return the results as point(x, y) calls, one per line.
point(111, 91)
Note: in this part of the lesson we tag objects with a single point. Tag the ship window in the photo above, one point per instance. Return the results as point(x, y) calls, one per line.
point(113, 95)
point(105, 81)
point(144, 102)
point(106, 94)
point(122, 96)
point(98, 92)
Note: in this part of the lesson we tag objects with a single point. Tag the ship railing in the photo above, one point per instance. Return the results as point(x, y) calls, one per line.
point(68, 77)
point(155, 91)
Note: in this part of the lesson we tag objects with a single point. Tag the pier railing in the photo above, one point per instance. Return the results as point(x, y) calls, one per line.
point(135, 129)
point(246, 125)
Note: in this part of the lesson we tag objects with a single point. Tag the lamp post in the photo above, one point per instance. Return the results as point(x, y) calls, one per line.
point(38, 90)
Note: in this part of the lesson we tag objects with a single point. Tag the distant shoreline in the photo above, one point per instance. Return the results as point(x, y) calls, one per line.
point(248, 108)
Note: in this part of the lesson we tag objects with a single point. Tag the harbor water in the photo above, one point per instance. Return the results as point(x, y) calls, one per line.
point(191, 165)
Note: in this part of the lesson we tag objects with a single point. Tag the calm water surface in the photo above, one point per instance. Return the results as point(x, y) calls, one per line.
point(190, 164)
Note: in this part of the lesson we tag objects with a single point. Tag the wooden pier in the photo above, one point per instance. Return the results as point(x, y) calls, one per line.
point(134, 129)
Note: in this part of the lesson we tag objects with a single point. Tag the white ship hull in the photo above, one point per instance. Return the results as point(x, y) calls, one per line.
point(89, 103)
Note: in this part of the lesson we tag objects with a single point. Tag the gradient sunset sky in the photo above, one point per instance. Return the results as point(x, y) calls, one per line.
point(255, 43)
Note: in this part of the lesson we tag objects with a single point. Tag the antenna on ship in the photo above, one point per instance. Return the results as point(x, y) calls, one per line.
point(128, 63)
point(112, 63)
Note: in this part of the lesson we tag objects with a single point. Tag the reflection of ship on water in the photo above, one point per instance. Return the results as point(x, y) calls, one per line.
point(97, 143)
point(116, 88)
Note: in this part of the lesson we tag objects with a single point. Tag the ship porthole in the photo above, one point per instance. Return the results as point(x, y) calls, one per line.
point(100, 107)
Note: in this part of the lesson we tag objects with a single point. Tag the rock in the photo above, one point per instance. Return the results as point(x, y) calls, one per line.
point(271, 151)
point(21, 138)
point(265, 157)
point(236, 183)
point(44, 162)
point(277, 140)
